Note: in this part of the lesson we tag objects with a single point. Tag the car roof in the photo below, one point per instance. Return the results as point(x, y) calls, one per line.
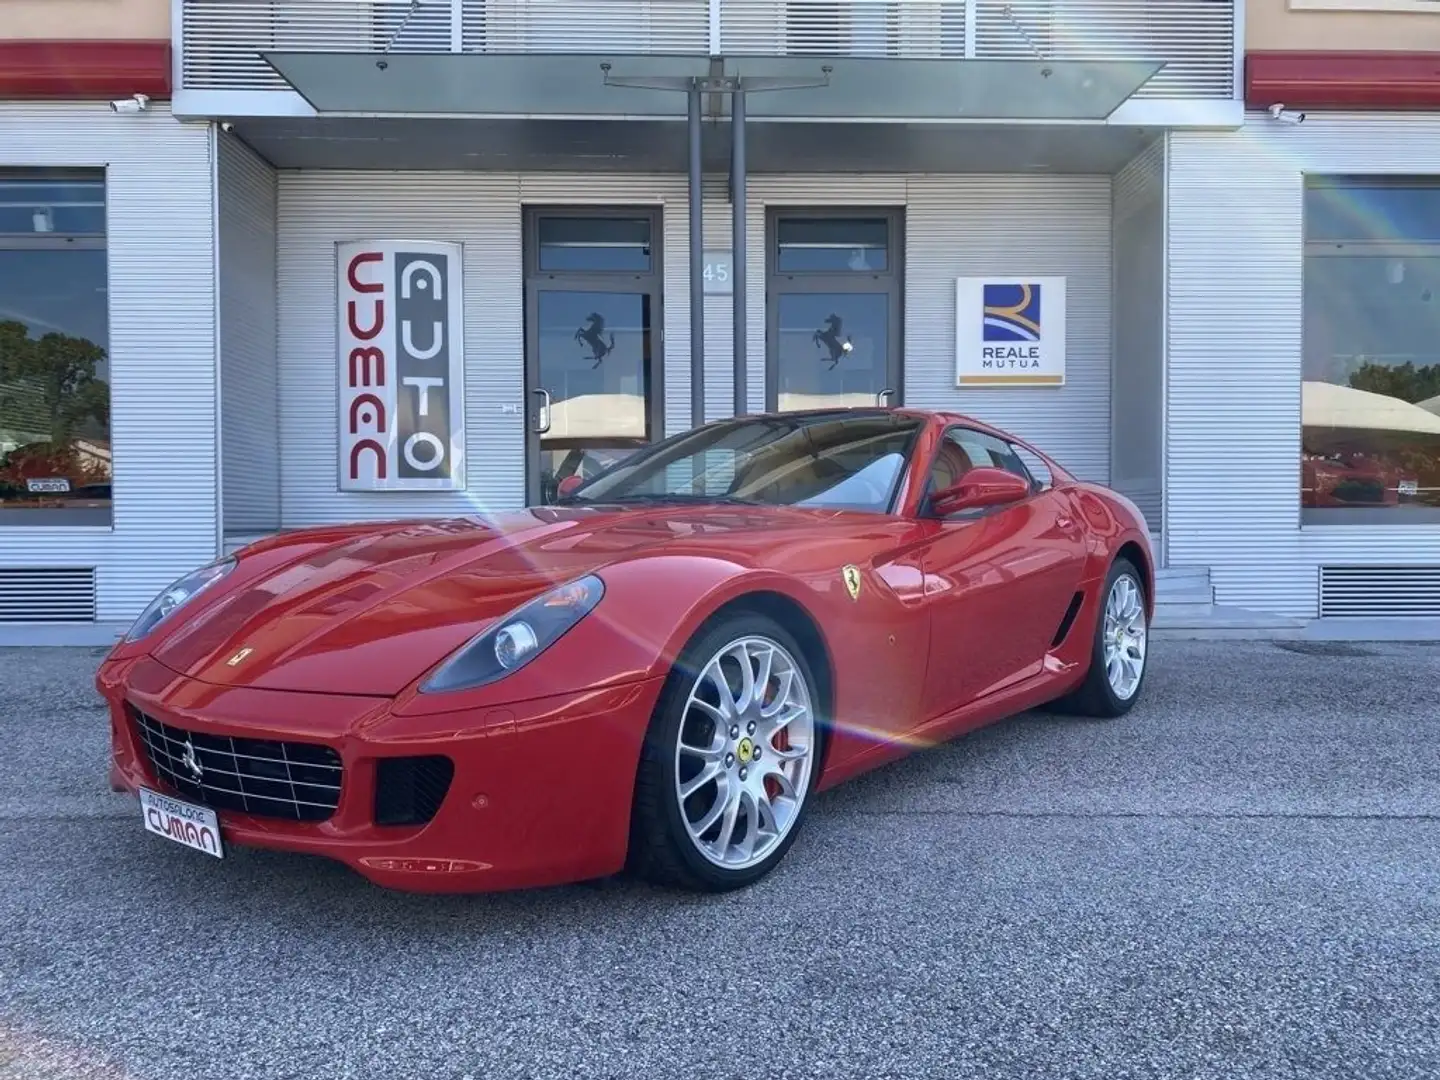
point(943, 416)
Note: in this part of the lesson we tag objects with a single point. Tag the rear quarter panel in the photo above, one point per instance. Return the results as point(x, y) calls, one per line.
point(1111, 523)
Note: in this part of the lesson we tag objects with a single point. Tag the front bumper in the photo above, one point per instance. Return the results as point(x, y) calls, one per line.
point(540, 792)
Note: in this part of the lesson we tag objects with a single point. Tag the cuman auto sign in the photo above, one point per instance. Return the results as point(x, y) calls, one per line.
point(401, 354)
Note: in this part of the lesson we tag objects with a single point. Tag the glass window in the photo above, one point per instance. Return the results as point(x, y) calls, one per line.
point(51, 205)
point(1370, 395)
point(594, 244)
point(593, 359)
point(1370, 210)
point(1039, 472)
point(55, 466)
point(978, 450)
point(832, 349)
point(829, 245)
point(831, 460)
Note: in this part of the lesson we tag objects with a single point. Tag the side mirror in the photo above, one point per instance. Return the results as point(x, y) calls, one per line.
point(569, 484)
point(981, 486)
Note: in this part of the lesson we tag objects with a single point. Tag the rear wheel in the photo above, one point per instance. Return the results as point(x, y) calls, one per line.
point(1120, 651)
point(730, 760)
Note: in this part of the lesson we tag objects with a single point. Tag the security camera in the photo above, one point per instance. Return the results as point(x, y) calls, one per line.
point(134, 104)
point(226, 126)
point(1286, 116)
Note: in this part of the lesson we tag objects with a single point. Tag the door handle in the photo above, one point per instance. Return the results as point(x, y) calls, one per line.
point(543, 419)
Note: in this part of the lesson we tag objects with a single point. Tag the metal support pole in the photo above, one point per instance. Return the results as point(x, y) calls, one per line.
point(717, 83)
point(697, 266)
point(737, 243)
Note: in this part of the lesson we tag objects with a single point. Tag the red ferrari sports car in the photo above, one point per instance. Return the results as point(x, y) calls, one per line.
point(656, 673)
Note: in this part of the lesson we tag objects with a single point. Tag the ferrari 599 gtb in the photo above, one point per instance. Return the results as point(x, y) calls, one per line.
point(657, 673)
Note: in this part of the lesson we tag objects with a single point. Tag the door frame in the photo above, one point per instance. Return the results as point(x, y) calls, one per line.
point(535, 281)
point(815, 282)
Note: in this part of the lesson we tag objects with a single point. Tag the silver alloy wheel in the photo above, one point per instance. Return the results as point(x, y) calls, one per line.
point(1125, 636)
point(745, 751)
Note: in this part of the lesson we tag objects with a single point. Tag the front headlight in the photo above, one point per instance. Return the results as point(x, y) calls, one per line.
point(177, 595)
point(518, 638)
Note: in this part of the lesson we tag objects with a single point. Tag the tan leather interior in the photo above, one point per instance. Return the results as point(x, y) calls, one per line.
point(951, 465)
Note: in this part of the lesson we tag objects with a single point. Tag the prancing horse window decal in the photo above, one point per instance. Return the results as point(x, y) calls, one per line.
point(828, 337)
point(593, 334)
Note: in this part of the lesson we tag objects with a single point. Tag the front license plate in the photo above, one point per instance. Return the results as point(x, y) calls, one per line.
point(194, 826)
point(1409, 487)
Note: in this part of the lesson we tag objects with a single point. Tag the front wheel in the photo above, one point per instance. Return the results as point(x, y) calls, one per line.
point(730, 760)
point(1120, 651)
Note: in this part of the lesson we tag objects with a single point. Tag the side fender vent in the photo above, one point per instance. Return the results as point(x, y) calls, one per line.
point(1069, 620)
point(39, 594)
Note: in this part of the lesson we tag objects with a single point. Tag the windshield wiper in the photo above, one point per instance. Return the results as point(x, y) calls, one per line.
point(726, 500)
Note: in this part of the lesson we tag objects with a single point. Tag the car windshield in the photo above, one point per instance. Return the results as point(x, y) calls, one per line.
point(833, 460)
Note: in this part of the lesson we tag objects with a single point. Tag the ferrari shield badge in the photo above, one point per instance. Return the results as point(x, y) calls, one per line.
point(851, 574)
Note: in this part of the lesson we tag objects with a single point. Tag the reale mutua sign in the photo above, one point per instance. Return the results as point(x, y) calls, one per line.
point(1010, 331)
point(401, 354)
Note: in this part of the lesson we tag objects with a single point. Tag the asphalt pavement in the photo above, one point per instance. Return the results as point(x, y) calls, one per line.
point(1240, 879)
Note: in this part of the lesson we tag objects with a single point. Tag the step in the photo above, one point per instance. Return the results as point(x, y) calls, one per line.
point(1221, 620)
point(1186, 574)
point(1184, 585)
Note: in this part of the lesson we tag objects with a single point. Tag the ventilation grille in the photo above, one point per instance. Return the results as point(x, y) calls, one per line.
point(47, 595)
point(221, 42)
point(1380, 592)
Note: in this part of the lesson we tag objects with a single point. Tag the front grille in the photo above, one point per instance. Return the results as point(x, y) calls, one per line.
point(409, 790)
point(291, 780)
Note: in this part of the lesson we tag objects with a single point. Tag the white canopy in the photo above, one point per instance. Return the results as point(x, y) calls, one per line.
point(589, 416)
point(1325, 405)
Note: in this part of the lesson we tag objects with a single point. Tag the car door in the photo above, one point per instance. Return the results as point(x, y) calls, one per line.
point(998, 579)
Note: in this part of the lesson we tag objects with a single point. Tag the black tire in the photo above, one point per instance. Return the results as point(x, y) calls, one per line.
point(1095, 697)
point(660, 849)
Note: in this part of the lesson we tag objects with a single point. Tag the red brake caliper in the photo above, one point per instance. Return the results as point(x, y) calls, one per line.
point(780, 742)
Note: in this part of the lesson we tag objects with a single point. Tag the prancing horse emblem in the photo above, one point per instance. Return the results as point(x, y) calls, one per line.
point(593, 334)
point(851, 574)
point(828, 338)
point(191, 762)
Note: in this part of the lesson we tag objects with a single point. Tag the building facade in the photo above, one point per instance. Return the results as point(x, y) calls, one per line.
point(493, 201)
point(107, 309)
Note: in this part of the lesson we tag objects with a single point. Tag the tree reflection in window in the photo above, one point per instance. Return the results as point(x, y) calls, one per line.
point(1370, 395)
point(55, 458)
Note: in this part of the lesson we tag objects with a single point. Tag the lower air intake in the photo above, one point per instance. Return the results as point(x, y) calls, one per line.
point(409, 790)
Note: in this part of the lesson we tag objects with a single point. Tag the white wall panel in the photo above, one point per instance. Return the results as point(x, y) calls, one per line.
point(161, 244)
point(1235, 248)
point(249, 378)
point(1137, 383)
point(958, 225)
point(1002, 225)
point(484, 211)
point(480, 210)
point(955, 226)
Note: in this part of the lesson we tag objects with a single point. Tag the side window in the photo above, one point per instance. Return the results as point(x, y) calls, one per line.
point(964, 449)
point(1036, 467)
point(984, 450)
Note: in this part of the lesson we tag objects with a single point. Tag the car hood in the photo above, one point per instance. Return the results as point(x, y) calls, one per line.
point(370, 613)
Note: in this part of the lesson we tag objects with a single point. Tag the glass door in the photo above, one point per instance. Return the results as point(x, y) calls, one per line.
point(832, 349)
point(833, 310)
point(593, 361)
